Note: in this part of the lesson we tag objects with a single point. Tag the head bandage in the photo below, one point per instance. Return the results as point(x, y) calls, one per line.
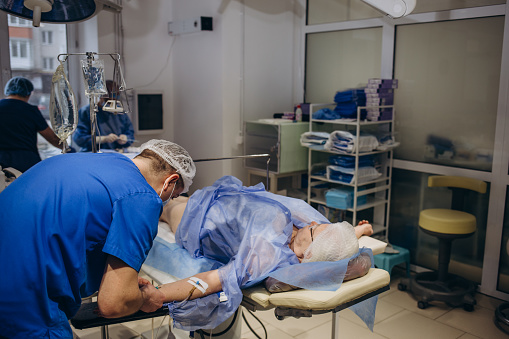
point(338, 241)
point(176, 156)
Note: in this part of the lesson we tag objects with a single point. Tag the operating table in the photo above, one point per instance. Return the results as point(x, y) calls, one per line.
point(296, 303)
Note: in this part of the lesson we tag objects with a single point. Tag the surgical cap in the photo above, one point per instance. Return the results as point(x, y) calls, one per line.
point(19, 86)
point(176, 156)
point(338, 241)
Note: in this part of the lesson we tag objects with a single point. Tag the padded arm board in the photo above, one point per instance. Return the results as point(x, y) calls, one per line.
point(350, 292)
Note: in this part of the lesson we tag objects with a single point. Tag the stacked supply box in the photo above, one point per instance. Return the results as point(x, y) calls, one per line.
point(347, 103)
point(380, 92)
point(342, 198)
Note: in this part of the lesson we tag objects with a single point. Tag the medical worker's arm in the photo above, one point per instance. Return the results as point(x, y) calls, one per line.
point(51, 137)
point(179, 290)
point(119, 293)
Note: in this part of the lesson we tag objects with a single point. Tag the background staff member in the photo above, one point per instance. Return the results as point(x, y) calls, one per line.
point(114, 130)
point(20, 123)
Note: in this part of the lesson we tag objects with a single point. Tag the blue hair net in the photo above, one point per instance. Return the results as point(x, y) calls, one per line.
point(19, 86)
point(222, 227)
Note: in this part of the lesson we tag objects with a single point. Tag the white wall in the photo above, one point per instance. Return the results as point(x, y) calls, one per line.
point(213, 81)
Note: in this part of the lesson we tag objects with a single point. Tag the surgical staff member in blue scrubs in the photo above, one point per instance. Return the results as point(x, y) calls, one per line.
point(115, 131)
point(20, 123)
point(79, 223)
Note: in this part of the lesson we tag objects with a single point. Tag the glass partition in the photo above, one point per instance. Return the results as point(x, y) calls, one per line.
point(340, 60)
point(410, 195)
point(447, 98)
point(503, 273)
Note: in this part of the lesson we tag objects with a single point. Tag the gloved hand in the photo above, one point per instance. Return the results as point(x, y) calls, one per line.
point(122, 139)
point(112, 137)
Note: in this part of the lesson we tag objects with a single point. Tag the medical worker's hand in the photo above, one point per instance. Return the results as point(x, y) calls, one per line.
point(122, 139)
point(112, 137)
point(152, 298)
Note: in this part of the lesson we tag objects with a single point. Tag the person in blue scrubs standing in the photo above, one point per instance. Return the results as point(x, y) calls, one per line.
point(19, 124)
point(114, 131)
point(79, 223)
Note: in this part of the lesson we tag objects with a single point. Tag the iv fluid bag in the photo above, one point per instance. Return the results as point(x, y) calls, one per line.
point(63, 110)
point(93, 74)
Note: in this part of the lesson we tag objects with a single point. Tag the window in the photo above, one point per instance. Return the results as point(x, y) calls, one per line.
point(15, 21)
point(20, 49)
point(47, 64)
point(449, 75)
point(47, 37)
point(329, 62)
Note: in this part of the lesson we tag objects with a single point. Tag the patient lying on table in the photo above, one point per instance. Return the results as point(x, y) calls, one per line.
point(313, 242)
point(247, 235)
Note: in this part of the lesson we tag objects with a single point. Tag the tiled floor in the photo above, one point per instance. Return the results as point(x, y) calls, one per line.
point(397, 317)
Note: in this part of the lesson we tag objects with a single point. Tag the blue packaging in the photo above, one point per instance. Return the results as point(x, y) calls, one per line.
point(342, 198)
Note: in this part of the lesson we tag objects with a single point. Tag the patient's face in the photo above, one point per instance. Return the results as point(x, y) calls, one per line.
point(304, 237)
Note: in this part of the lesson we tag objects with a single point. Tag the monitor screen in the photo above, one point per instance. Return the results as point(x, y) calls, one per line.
point(149, 108)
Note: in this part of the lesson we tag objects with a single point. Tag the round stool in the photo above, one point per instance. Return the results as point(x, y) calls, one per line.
point(446, 225)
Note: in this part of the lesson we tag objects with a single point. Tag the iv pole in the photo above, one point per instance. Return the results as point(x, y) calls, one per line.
point(95, 97)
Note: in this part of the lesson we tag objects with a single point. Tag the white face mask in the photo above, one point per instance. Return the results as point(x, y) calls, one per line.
point(167, 200)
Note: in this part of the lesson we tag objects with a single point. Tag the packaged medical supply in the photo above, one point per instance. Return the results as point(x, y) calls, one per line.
point(342, 198)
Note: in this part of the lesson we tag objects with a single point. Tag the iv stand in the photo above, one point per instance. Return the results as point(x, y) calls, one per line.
point(94, 98)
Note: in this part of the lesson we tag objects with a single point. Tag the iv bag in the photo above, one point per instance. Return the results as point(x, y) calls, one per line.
point(93, 73)
point(63, 110)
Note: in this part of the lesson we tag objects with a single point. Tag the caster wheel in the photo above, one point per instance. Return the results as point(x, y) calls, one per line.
point(401, 287)
point(468, 307)
point(422, 305)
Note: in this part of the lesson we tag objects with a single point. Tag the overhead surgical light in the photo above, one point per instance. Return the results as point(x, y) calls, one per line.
point(393, 8)
point(57, 11)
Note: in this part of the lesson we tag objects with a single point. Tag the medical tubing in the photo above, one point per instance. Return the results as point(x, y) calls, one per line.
point(202, 332)
point(248, 325)
point(160, 325)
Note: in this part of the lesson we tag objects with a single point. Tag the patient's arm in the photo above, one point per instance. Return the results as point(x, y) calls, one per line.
point(173, 211)
point(363, 228)
point(179, 290)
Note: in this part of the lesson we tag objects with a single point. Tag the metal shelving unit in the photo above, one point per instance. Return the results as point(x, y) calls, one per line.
point(377, 191)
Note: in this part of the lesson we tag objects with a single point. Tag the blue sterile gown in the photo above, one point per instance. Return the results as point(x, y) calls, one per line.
point(107, 123)
point(19, 124)
point(58, 222)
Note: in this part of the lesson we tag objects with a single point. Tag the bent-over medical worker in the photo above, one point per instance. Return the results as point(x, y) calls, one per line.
point(237, 237)
point(20, 123)
point(114, 130)
point(79, 223)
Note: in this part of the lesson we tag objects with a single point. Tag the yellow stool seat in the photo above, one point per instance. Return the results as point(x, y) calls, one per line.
point(447, 221)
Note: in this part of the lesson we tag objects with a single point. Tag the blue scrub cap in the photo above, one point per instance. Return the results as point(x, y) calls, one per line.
point(19, 86)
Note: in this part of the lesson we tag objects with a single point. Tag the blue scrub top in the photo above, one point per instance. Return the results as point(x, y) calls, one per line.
point(20, 123)
point(107, 123)
point(58, 223)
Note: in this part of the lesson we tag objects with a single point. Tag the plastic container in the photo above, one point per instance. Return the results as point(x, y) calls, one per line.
point(298, 113)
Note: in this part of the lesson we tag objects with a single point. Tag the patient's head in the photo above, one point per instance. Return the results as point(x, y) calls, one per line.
point(325, 242)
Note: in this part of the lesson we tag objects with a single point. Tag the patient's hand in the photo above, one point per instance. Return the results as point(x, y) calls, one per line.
point(363, 228)
point(152, 298)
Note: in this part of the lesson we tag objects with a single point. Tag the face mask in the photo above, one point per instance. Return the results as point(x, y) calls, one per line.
point(167, 200)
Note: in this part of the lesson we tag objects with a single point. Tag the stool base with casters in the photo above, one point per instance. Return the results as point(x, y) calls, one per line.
point(502, 317)
point(454, 291)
